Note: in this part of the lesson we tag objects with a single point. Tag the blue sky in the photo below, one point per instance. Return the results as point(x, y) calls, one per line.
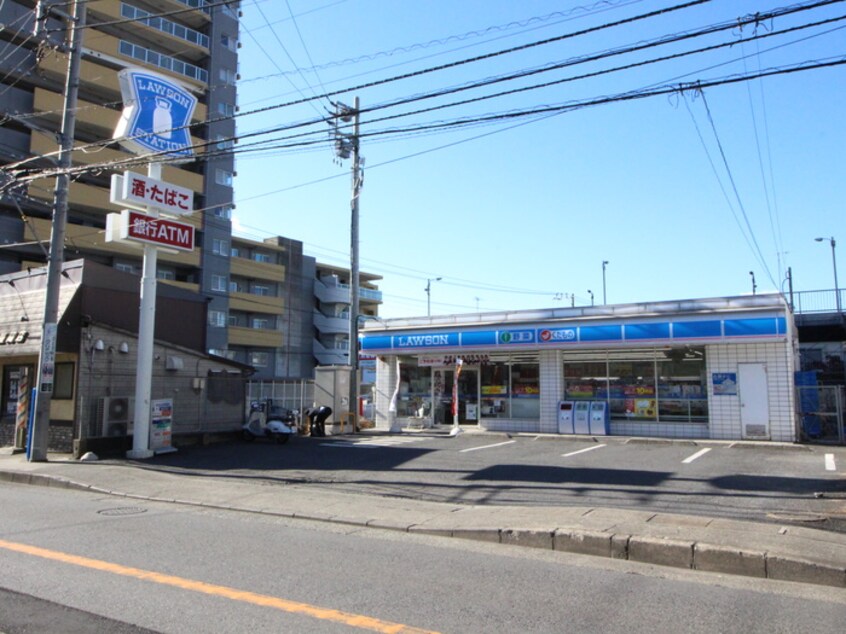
point(683, 194)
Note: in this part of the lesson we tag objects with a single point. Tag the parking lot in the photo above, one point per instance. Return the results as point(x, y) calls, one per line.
point(779, 483)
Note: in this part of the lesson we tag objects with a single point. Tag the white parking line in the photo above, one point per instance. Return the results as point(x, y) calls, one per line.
point(573, 453)
point(698, 454)
point(829, 462)
point(499, 444)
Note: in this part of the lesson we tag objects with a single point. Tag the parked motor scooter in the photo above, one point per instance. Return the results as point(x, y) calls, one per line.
point(268, 421)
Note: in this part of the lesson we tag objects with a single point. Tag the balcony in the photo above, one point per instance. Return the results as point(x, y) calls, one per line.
point(339, 355)
point(330, 292)
point(331, 325)
point(254, 337)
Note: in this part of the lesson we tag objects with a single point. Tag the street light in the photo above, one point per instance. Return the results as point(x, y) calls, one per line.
point(591, 296)
point(834, 266)
point(428, 290)
point(604, 264)
point(754, 285)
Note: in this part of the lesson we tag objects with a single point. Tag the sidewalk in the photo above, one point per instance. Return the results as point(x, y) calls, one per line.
point(787, 553)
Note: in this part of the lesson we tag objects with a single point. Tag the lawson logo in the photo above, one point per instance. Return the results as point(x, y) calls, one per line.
point(422, 341)
point(157, 111)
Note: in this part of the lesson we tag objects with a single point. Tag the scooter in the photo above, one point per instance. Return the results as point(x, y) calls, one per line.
point(268, 421)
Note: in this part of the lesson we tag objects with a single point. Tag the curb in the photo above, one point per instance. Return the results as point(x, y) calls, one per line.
point(675, 553)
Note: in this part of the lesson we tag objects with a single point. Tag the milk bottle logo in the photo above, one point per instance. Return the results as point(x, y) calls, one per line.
point(162, 118)
point(156, 115)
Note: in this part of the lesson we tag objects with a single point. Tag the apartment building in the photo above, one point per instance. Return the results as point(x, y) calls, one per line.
point(288, 312)
point(269, 305)
point(192, 41)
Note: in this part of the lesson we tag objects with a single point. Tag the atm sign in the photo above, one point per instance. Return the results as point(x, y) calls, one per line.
point(134, 226)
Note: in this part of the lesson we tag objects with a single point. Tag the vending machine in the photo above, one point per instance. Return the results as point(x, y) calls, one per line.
point(599, 418)
point(565, 417)
point(581, 417)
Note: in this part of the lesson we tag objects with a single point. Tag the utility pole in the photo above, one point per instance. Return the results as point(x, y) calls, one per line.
point(604, 264)
point(47, 358)
point(348, 145)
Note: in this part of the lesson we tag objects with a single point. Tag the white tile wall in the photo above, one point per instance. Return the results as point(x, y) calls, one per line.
point(725, 410)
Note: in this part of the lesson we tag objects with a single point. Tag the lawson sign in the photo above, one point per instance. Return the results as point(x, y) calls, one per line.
point(156, 113)
point(555, 336)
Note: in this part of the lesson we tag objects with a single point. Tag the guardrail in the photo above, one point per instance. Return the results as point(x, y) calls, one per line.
point(808, 302)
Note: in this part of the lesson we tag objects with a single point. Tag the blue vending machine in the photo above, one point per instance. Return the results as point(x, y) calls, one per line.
point(581, 417)
point(599, 418)
point(565, 417)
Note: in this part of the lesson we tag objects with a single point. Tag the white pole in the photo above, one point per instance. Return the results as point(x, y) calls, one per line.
point(146, 337)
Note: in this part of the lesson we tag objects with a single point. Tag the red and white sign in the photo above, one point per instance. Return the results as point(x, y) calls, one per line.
point(137, 227)
point(139, 192)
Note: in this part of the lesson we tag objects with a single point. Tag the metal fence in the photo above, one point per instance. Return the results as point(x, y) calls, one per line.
point(807, 302)
point(821, 413)
point(294, 395)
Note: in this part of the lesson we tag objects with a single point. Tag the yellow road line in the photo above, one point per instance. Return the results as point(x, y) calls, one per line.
point(326, 614)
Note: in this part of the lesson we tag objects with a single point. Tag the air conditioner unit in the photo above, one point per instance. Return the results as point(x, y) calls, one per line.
point(115, 414)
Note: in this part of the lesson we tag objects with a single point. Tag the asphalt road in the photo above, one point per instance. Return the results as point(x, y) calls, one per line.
point(792, 484)
point(120, 565)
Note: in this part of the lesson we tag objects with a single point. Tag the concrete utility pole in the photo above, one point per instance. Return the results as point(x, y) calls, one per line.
point(354, 266)
point(47, 358)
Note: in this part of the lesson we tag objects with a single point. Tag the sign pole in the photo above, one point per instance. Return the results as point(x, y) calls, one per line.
point(146, 338)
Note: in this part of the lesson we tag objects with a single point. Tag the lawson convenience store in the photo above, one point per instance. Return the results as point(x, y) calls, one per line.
point(717, 368)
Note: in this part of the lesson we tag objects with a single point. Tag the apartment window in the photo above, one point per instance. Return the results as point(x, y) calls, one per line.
point(226, 109)
point(197, 4)
point(217, 318)
point(220, 247)
point(218, 283)
point(233, 320)
point(235, 252)
point(228, 76)
point(258, 359)
point(126, 268)
point(223, 177)
point(223, 143)
point(223, 211)
point(163, 61)
point(261, 323)
point(261, 289)
point(229, 42)
point(262, 257)
point(164, 274)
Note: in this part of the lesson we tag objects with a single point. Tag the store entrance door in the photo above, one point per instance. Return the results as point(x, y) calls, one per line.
point(468, 396)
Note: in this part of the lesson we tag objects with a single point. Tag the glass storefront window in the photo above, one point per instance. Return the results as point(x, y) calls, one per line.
point(632, 386)
point(525, 390)
point(586, 380)
point(415, 393)
point(658, 385)
point(682, 383)
point(495, 380)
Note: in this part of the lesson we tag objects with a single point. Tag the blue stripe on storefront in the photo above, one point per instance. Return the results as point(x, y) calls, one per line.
point(660, 331)
point(633, 332)
point(478, 338)
point(696, 329)
point(601, 333)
